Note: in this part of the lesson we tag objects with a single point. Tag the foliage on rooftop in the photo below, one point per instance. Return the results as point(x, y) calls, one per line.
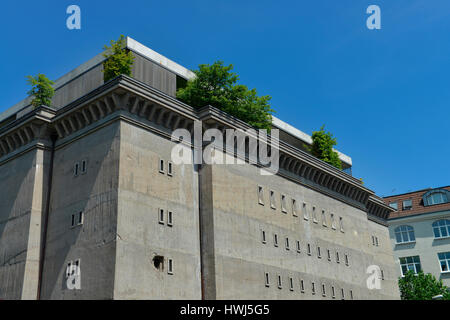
point(421, 287)
point(217, 86)
point(322, 147)
point(119, 60)
point(41, 90)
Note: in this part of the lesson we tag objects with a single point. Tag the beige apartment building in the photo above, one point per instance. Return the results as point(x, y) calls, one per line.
point(93, 206)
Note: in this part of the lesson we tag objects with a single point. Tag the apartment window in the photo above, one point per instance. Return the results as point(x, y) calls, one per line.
point(294, 207)
point(263, 236)
point(351, 294)
point(83, 166)
point(441, 228)
point(280, 283)
point(346, 260)
point(318, 253)
point(161, 216)
point(287, 243)
point(302, 286)
point(341, 224)
point(169, 168)
point(275, 240)
point(272, 200)
point(266, 277)
point(260, 195)
point(407, 204)
point(77, 219)
point(342, 294)
point(382, 274)
point(337, 257)
point(324, 293)
point(324, 218)
point(309, 249)
point(314, 214)
point(169, 218)
point(291, 284)
point(410, 263)
point(313, 288)
point(394, 205)
point(329, 254)
point(333, 293)
point(373, 240)
point(436, 197)
point(283, 203)
point(305, 211)
point(333, 223)
point(444, 261)
point(298, 246)
point(170, 266)
point(404, 234)
point(376, 241)
point(76, 169)
point(161, 165)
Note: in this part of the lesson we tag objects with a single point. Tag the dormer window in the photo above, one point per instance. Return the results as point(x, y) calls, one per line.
point(436, 197)
point(394, 205)
point(407, 204)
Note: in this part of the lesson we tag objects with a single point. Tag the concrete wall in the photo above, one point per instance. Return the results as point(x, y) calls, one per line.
point(236, 222)
point(142, 191)
point(22, 201)
point(426, 246)
point(95, 194)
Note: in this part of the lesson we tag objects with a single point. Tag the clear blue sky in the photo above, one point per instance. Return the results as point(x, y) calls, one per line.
point(383, 93)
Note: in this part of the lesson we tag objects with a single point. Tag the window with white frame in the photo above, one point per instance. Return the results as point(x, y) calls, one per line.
point(410, 263)
point(436, 197)
point(170, 266)
point(294, 208)
point(444, 261)
point(324, 219)
point(407, 204)
point(83, 168)
point(260, 195)
point(170, 218)
point(314, 214)
point(272, 200)
point(441, 228)
point(169, 168)
point(305, 211)
point(283, 203)
point(161, 165)
point(161, 216)
point(404, 234)
point(77, 219)
point(333, 222)
point(76, 169)
point(266, 279)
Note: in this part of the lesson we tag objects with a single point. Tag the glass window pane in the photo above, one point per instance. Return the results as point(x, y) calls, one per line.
point(444, 231)
point(437, 234)
point(411, 236)
point(398, 237)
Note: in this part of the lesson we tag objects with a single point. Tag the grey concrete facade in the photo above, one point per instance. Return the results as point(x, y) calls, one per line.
point(99, 153)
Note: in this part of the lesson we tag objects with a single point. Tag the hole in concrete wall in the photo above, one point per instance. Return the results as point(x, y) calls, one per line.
point(158, 262)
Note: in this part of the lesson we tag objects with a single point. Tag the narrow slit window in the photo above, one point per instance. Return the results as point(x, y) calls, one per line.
point(266, 279)
point(351, 294)
point(170, 266)
point(272, 200)
point(76, 169)
point(342, 294)
point(83, 166)
point(161, 216)
point(314, 214)
point(333, 223)
point(73, 220)
point(291, 284)
point(341, 224)
point(318, 253)
point(329, 254)
point(324, 292)
point(302, 286)
point(333, 293)
point(346, 260)
point(294, 207)
point(169, 168)
point(280, 283)
point(298, 246)
point(337, 257)
point(305, 211)
point(313, 288)
point(309, 249)
point(324, 218)
point(287, 243)
point(382, 274)
point(170, 218)
point(260, 195)
point(161, 165)
point(283, 203)
point(263, 236)
point(275, 240)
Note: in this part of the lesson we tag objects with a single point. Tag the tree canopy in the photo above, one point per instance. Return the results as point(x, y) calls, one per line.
point(41, 89)
point(118, 61)
point(322, 147)
point(217, 86)
point(421, 287)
